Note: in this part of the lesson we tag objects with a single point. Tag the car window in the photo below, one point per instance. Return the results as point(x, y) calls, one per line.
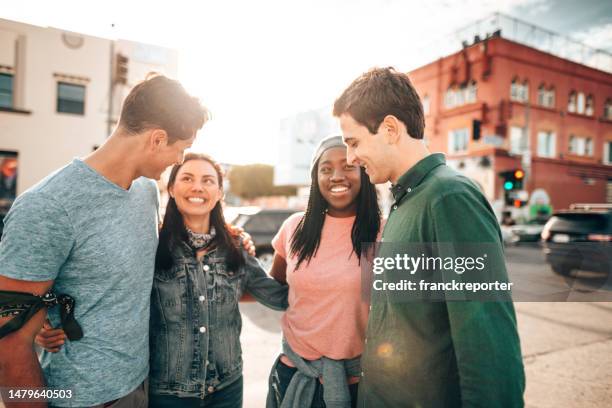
point(582, 222)
point(265, 222)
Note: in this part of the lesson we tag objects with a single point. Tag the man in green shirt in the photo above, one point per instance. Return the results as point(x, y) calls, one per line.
point(427, 353)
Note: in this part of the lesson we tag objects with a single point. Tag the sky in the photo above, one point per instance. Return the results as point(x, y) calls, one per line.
point(253, 63)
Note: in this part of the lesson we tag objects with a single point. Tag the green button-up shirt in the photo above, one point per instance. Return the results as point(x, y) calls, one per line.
point(441, 354)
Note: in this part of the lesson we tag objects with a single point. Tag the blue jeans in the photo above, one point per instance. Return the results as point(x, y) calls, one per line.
point(228, 397)
point(283, 376)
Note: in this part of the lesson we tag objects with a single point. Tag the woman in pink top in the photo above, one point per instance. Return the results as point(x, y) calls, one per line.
point(318, 255)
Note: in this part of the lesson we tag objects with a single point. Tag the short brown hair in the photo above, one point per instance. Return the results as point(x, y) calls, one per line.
point(161, 102)
point(381, 92)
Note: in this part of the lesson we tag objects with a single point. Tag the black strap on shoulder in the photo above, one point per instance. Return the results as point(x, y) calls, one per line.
point(23, 306)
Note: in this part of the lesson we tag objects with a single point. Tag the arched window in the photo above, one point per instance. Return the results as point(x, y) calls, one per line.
point(580, 103)
point(449, 97)
point(608, 109)
point(519, 91)
point(514, 89)
point(551, 97)
point(571, 103)
point(589, 107)
point(525, 91)
point(471, 92)
point(460, 95)
point(542, 93)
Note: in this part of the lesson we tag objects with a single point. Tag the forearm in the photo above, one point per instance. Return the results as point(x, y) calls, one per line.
point(267, 291)
point(273, 296)
point(19, 368)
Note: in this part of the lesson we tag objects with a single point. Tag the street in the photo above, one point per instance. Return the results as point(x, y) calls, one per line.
point(567, 346)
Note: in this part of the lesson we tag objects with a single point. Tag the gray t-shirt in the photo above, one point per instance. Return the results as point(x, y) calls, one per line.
point(98, 242)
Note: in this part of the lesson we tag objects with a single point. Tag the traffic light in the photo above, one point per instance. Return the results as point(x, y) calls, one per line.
point(518, 176)
point(513, 179)
point(513, 182)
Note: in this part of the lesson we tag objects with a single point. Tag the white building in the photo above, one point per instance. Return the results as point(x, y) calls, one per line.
point(61, 92)
point(299, 136)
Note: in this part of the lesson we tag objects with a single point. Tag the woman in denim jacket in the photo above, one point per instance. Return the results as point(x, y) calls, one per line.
point(201, 274)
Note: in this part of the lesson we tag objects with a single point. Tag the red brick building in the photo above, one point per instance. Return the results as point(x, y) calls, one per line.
point(499, 105)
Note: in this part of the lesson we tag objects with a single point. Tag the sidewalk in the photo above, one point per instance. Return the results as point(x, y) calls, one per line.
point(567, 350)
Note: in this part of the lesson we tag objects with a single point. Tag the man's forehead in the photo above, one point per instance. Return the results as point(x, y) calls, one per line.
point(346, 120)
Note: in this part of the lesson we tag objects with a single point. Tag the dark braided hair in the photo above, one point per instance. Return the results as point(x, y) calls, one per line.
point(173, 227)
point(307, 236)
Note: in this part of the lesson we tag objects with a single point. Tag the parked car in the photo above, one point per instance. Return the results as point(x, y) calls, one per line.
point(530, 231)
point(579, 239)
point(262, 224)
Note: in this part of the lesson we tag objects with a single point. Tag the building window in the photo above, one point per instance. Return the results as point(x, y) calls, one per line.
point(550, 102)
point(460, 96)
point(6, 90)
point(580, 102)
point(546, 97)
point(518, 140)
point(588, 146)
point(70, 98)
point(589, 108)
point(607, 158)
point(514, 89)
point(457, 96)
point(519, 92)
point(458, 140)
point(426, 104)
point(449, 98)
point(541, 95)
point(608, 109)
point(550, 97)
point(470, 92)
point(547, 144)
point(581, 146)
point(571, 103)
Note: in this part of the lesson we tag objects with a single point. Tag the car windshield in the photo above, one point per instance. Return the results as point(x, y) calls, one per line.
point(265, 222)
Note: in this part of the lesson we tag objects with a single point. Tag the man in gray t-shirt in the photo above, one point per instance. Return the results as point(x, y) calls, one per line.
point(89, 230)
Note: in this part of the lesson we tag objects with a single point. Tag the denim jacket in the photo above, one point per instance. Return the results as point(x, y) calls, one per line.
point(196, 323)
